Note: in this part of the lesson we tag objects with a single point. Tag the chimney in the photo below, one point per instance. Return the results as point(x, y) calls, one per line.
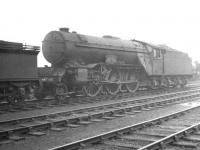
point(64, 29)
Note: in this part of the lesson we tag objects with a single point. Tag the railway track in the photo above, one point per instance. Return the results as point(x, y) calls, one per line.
point(16, 129)
point(176, 131)
point(50, 102)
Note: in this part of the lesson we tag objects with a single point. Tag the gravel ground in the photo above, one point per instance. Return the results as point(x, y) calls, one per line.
point(28, 113)
point(53, 138)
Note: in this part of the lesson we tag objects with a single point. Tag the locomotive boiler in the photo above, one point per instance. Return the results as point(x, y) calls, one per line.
point(109, 65)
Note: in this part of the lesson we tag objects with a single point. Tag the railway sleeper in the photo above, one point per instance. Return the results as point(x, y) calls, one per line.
point(185, 144)
point(138, 137)
point(193, 137)
point(108, 113)
point(117, 111)
point(41, 125)
point(115, 144)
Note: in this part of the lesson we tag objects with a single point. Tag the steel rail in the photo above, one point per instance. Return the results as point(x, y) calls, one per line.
point(171, 138)
point(103, 106)
point(50, 102)
point(98, 138)
point(65, 121)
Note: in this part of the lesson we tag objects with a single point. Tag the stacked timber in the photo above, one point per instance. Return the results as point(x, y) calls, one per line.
point(5, 45)
point(30, 47)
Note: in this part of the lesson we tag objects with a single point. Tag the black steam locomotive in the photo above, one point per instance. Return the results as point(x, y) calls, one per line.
point(109, 65)
point(89, 66)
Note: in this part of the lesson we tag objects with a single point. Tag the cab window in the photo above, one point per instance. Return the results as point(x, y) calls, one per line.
point(157, 53)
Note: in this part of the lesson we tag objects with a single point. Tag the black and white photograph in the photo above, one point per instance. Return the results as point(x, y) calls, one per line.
point(100, 75)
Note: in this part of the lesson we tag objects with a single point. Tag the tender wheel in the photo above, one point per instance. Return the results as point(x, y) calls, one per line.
point(92, 89)
point(16, 98)
point(175, 82)
point(165, 83)
point(154, 84)
point(183, 82)
point(112, 88)
point(132, 87)
point(179, 82)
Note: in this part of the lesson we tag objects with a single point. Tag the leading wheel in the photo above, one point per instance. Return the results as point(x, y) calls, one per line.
point(60, 91)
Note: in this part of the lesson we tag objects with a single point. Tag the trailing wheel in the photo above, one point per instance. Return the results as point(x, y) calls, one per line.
point(154, 84)
point(92, 89)
point(132, 87)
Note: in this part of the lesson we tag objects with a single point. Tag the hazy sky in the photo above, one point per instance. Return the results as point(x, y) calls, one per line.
point(175, 23)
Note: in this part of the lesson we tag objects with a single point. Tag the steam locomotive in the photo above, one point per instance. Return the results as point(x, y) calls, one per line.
point(88, 65)
point(91, 65)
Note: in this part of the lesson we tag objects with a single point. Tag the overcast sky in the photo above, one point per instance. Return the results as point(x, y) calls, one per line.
point(175, 23)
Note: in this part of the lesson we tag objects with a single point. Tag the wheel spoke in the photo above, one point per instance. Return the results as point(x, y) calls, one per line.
point(92, 89)
point(132, 87)
point(112, 88)
point(123, 88)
